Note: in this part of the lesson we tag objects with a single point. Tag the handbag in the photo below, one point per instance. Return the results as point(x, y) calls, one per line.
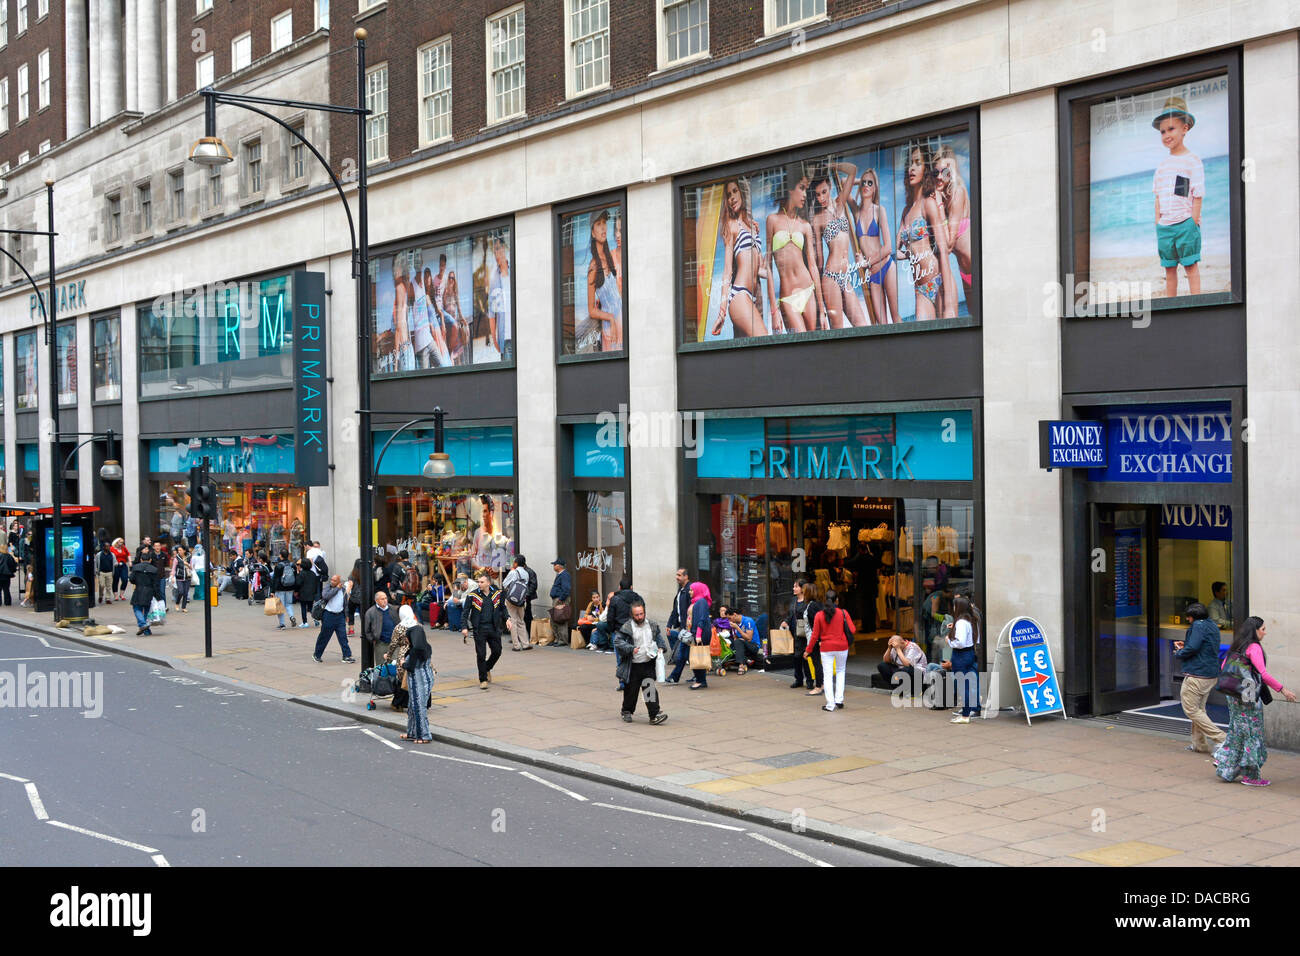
point(272, 606)
point(848, 631)
point(560, 612)
point(701, 659)
point(318, 610)
point(1238, 679)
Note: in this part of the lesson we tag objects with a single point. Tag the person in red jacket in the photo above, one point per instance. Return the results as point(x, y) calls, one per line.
point(831, 629)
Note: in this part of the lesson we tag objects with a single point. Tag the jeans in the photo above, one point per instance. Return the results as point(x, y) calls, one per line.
point(641, 679)
point(142, 617)
point(286, 598)
point(180, 592)
point(120, 574)
point(485, 663)
point(964, 661)
point(747, 650)
point(681, 657)
point(833, 675)
point(334, 624)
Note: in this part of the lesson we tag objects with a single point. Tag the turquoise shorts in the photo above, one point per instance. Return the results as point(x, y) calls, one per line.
point(1179, 244)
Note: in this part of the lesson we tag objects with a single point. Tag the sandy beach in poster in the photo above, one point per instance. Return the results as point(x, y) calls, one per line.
point(1130, 276)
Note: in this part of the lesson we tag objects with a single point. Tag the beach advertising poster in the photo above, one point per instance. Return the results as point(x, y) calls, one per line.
point(25, 384)
point(1159, 177)
point(591, 278)
point(443, 304)
point(876, 236)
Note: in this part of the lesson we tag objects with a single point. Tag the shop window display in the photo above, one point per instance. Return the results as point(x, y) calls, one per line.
point(449, 533)
point(601, 542)
point(249, 517)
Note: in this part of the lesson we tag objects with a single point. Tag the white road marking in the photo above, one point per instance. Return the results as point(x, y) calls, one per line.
point(160, 859)
point(553, 786)
point(348, 727)
point(102, 836)
point(788, 849)
point(669, 816)
point(63, 657)
point(477, 763)
point(34, 798)
point(386, 743)
point(9, 776)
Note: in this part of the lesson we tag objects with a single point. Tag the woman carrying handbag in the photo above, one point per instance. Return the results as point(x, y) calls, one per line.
point(831, 630)
point(1243, 753)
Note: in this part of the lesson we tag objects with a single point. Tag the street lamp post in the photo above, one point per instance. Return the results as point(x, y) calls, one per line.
point(212, 151)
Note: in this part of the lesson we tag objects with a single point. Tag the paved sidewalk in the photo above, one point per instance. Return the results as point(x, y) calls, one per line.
point(1060, 793)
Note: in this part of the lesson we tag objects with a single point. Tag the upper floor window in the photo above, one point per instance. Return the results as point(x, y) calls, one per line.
point(785, 14)
point(435, 91)
point(364, 5)
point(22, 17)
point(23, 157)
point(377, 121)
point(176, 207)
point(43, 147)
point(113, 231)
point(587, 29)
point(282, 31)
point(322, 14)
point(685, 30)
point(42, 8)
point(22, 93)
point(505, 40)
point(4, 101)
point(204, 68)
point(43, 79)
point(253, 167)
point(202, 6)
point(4, 24)
point(215, 195)
point(241, 52)
point(144, 197)
point(296, 155)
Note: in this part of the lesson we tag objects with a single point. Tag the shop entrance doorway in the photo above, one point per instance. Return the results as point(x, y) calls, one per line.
point(1148, 563)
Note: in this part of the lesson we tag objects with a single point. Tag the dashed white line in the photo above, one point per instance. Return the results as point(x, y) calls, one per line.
point(788, 849)
point(102, 836)
point(161, 860)
point(553, 786)
point(477, 763)
point(34, 798)
point(348, 727)
point(669, 816)
point(386, 743)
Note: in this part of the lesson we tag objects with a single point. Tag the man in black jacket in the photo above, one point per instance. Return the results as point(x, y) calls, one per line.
point(145, 578)
point(679, 620)
point(485, 618)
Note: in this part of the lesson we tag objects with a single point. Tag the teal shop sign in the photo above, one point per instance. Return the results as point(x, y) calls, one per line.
point(905, 446)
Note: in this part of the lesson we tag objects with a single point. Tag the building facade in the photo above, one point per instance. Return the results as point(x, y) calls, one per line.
point(739, 287)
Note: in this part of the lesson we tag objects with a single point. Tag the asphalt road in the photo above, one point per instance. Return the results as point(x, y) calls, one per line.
point(189, 771)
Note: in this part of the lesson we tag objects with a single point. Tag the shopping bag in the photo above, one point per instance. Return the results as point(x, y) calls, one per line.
point(576, 640)
point(661, 668)
point(542, 632)
point(157, 611)
point(272, 606)
point(701, 659)
point(782, 642)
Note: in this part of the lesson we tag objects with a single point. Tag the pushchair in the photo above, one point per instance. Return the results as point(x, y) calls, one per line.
point(720, 651)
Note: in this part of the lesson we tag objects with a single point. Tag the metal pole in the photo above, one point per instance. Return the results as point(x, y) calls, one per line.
point(363, 354)
point(207, 572)
point(56, 463)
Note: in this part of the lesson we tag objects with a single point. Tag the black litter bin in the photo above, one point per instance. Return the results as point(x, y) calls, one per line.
point(72, 599)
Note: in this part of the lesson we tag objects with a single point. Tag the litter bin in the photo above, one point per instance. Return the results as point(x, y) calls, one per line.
point(72, 599)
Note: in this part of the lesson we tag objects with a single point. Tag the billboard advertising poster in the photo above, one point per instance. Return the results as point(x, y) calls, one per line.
point(443, 304)
point(875, 235)
point(1158, 179)
point(72, 557)
point(592, 274)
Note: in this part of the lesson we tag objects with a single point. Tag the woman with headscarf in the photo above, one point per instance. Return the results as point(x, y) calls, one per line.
point(701, 627)
point(416, 663)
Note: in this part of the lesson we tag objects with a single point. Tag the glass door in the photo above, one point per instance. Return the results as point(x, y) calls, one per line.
point(1125, 617)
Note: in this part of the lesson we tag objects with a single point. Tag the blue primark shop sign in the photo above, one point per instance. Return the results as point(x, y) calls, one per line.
point(311, 421)
point(903, 446)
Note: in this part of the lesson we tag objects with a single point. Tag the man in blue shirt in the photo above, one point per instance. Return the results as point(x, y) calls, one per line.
point(744, 640)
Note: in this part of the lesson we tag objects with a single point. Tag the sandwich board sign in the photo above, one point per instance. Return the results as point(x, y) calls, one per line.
point(1032, 660)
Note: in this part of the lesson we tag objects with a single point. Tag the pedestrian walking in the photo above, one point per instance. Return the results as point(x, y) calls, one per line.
point(638, 644)
point(121, 568)
point(516, 596)
point(830, 637)
point(308, 590)
point(416, 662)
point(378, 625)
point(334, 597)
point(181, 570)
point(963, 636)
point(104, 562)
point(678, 620)
point(701, 628)
point(485, 618)
point(8, 568)
point(354, 598)
point(1200, 656)
point(284, 579)
point(803, 614)
point(145, 578)
point(1242, 753)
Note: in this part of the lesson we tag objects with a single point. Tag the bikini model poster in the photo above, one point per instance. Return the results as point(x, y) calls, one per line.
point(1158, 180)
point(592, 276)
point(444, 304)
point(874, 236)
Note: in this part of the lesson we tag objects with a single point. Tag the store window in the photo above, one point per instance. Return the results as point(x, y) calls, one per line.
point(2, 388)
point(1153, 198)
point(891, 224)
point(593, 280)
point(66, 355)
point(217, 337)
point(25, 366)
point(250, 516)
point(449, 532)
point(600, 543)
point(442, 303)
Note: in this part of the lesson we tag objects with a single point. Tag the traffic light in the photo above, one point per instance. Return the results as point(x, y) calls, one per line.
point(196, 491)
point(207, 500)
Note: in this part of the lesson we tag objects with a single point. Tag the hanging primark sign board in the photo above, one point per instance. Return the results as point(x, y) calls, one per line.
point(311, 421)
point(1032, 659)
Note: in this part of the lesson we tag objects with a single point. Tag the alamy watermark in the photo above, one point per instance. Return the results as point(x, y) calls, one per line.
point(672, 429)
point(1078, 299)
point(39, 690)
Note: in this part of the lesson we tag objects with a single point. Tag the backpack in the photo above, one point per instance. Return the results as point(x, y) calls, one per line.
point(532, 585)
point(517, 591)
point(288, 580)
point(411, 583)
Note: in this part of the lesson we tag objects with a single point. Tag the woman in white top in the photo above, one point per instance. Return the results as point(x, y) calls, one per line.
point(962, 639)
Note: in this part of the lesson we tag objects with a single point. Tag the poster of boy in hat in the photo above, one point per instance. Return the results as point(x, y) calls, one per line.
point(1179, 186)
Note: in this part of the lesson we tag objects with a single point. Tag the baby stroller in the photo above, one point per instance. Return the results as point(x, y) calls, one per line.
point(720, 649)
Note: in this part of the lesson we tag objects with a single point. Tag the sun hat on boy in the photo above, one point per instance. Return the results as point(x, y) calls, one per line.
point(1174, 106)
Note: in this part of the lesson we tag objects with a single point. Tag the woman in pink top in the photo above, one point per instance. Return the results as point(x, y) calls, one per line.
point(1243, 753)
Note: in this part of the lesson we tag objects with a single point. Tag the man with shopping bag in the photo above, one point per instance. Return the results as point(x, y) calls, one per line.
point(145, 578)
point(639, 644)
